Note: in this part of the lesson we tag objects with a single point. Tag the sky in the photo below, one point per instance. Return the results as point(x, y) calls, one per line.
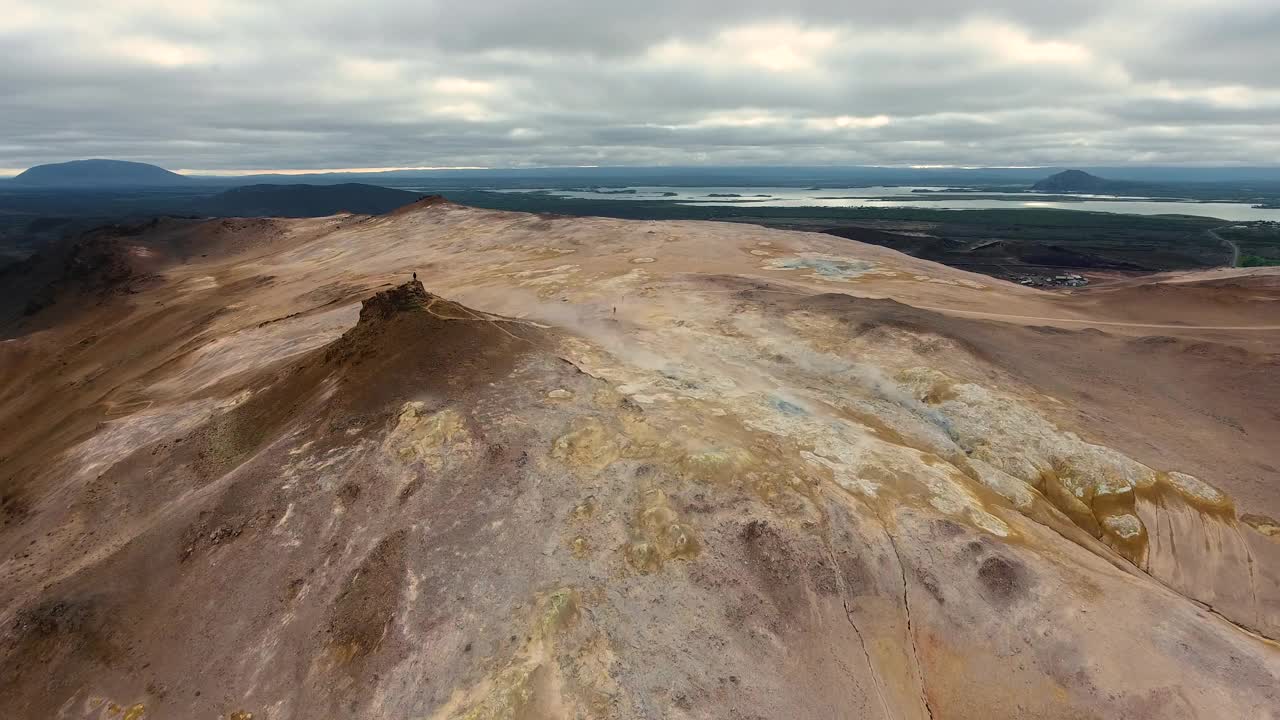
point(251, 85)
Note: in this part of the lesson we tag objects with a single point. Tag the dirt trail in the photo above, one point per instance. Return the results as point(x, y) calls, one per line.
point(1235, 249)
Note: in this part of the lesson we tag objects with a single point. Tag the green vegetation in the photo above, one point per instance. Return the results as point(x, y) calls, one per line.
point(1255, 261)
point(1259, 243)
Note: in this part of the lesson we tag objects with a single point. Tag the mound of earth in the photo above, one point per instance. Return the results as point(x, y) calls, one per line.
point(1071, 181)
point(306, 200)
point(605, 468)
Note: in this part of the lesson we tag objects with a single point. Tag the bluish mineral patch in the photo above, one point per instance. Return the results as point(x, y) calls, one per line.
point(788, 408)
point(842, 269)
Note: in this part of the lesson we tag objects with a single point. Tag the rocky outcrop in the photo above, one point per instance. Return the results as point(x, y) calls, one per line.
point(409, 297)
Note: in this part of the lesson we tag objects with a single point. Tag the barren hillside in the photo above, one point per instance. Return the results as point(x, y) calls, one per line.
point(599, 468)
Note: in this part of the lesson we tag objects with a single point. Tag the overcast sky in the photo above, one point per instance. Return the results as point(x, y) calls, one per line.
point(306, 84)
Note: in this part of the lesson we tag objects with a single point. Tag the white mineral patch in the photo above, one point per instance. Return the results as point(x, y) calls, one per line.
point(1010, 436)
point(989, 522)
point(823, 267)
point(116, 439)
point(1123, 526)
point(650, 399)
point(199, 284)
point(1195, 487)
point(622, 282)
point(546, 276)
point(257, 346)
point(1004, 484)
point(843, 476)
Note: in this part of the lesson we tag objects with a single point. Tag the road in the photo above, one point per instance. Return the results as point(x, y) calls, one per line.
point(1235, 249)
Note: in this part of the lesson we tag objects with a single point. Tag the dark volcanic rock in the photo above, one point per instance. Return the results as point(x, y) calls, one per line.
point(409, 296)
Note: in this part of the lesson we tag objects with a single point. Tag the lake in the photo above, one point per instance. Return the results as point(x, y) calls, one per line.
point(882, 197)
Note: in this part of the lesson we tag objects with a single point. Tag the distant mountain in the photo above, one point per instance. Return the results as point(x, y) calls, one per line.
point(100, 174)
point(306, 200)
point(1072, 181)
point(1256, 186)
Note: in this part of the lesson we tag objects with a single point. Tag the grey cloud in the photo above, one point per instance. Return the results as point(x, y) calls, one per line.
point(234, 84)
point(1216, 45)
point(610, 29)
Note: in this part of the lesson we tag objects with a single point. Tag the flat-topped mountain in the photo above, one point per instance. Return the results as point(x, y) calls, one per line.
point(99, 173)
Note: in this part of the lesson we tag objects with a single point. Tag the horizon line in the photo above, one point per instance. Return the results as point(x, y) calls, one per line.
point(9, 173)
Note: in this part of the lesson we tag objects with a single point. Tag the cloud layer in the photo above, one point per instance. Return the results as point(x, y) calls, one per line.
point(243, 84)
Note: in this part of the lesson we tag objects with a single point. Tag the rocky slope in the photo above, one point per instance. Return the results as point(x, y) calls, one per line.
point(597, 468)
